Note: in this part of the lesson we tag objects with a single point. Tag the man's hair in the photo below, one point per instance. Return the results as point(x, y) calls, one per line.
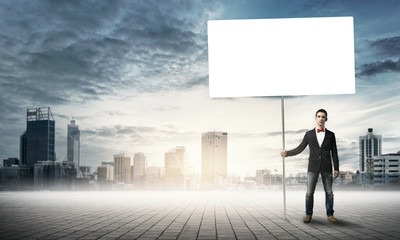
point(323, 111)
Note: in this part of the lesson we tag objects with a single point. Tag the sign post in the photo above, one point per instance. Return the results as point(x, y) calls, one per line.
point(283, 158)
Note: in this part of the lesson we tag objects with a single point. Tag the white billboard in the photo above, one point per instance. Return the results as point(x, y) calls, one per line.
point(281, 57)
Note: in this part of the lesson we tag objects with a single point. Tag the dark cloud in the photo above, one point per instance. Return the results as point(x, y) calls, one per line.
point(194, 82)
point(317, 4)
point(61, 116)
point(72, 51)
point(325, 8)
point(378, 67)
point(388, 47)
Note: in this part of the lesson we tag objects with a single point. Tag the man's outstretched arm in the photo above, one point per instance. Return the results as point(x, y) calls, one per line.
point(297, 150)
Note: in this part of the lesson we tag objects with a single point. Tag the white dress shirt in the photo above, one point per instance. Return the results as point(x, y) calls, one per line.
point(320, 136)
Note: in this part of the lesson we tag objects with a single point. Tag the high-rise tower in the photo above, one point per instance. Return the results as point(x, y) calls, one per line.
point(73, 145)
point(22, 149)
point(370, 147)
point(140, 164)
point(40, 136)
point(122, 168)
point(214, 157)
point(175, 162)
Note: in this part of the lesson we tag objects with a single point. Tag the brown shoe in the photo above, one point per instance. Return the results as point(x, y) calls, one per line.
point(307, 219)
point(332, 219)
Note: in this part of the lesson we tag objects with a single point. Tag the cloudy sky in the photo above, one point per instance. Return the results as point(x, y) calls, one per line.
point(134, 76)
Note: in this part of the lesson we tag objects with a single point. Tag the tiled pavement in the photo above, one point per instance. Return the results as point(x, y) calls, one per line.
point(195, 215)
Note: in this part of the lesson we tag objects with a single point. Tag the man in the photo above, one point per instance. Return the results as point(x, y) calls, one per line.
point(323, 151)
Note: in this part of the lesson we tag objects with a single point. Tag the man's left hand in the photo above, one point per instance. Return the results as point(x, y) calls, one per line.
point(335, 173)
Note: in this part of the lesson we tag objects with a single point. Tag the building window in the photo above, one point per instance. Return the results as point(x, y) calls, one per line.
point(376, 150)
point(362, 148)
point(393, 170)
point(393, 160)
point(393, 165)
point(379, 165)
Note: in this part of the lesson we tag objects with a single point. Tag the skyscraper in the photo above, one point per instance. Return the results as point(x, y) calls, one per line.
point(175, 162)
point(122, 168)
point(73, 145)
point(40, 136)
point(214, 157)
point(140, 164)
point(370, 147)
point(22, 149)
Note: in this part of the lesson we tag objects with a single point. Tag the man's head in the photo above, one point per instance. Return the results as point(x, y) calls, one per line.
point(322, 111)
point(321, 116)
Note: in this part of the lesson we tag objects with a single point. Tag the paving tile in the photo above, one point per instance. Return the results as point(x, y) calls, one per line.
point(194, 215)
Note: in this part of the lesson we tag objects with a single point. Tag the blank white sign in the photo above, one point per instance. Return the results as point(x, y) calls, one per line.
point(281, 57)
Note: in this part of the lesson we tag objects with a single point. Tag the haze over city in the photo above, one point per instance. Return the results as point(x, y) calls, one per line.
point(134, 76)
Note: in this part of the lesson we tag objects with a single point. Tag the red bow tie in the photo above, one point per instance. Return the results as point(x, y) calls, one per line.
point(320, 130)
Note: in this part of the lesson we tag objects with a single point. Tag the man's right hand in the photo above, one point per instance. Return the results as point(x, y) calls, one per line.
point(283, 153)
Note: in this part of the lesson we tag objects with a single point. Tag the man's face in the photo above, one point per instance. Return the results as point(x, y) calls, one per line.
point(321, 119)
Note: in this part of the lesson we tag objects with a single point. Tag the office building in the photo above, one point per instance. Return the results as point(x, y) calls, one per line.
point(84, 171)
point(105, 173)
point(122, 168)
point(54, 175)
point(346, 177)
point(214, 158)
point(155, 178)
point(40, 136)
point(11, 162)
point(107, 163)
point(22, 149)
point(387, 169)
point(174, 162)
point(14, 177)
point(154, 173)
point(73, 145)
point(263, 177)
point(370, 147)
point(140, 165)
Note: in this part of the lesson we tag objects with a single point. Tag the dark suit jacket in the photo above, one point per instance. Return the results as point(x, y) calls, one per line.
point(320, 159)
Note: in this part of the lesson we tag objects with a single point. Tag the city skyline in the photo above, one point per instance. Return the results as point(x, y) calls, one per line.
point(134, 76)
point(142, 157)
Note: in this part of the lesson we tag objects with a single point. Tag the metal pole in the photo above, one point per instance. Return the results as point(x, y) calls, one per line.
point(283, 158)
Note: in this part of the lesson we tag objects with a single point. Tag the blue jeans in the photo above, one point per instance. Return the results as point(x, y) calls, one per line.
point(327, 180)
